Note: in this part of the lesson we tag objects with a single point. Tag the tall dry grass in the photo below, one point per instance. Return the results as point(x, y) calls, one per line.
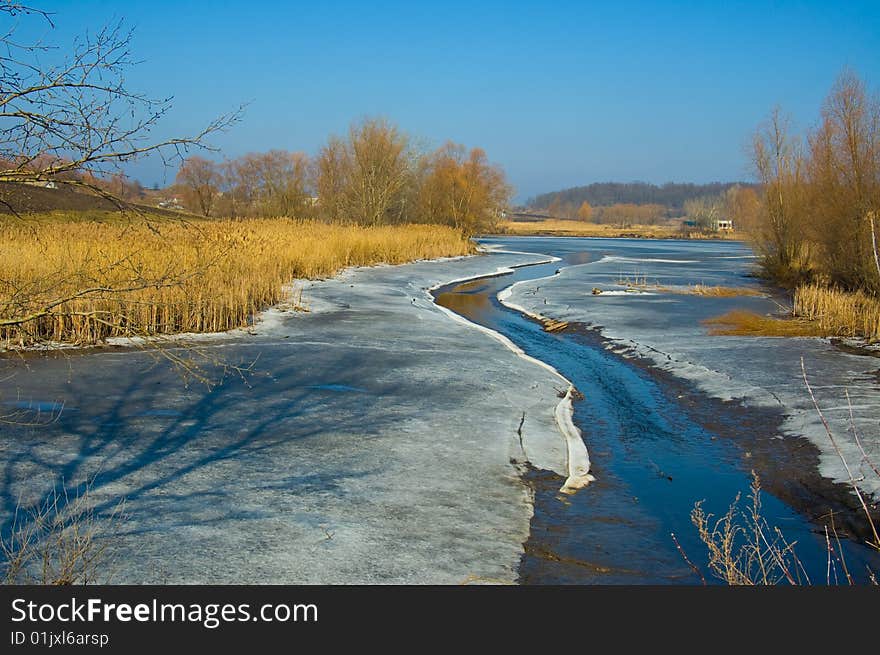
point(817, 311)
point(83, 281)
point(840, 313)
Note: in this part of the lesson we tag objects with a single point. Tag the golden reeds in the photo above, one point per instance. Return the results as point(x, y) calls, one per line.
point(840, 313)
point(818, 312)
point(123, 278)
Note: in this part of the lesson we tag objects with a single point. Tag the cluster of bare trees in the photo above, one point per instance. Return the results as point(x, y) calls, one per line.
point(626, 214)
point(671, 195)
point(621, 214)
point(739, 204)
point(372, 176)
point(820, 205)
point(254, 185)
point(735, 202)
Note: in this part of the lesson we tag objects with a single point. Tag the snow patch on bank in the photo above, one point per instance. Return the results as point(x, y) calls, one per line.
point(577, 455)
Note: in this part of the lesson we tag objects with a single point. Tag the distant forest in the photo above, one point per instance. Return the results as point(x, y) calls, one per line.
point(670, 195)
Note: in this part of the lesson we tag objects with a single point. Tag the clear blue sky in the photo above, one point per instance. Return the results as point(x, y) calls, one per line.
point(559, 93)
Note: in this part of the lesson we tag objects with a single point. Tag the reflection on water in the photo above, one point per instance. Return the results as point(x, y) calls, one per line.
point(468, 299)
point(577, 258)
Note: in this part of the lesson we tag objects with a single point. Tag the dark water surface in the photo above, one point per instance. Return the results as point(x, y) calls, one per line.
point(657, 446)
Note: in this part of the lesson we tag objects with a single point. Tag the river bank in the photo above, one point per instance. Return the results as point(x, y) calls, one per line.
point(373, 440)
point(376, 439)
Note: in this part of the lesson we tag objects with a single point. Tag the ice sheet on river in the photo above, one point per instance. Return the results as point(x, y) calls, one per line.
point(372, 443)
point(665, 328)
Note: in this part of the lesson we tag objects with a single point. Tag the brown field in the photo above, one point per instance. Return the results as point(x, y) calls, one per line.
point(568, 228)
point(26, 199)
point(123, 278)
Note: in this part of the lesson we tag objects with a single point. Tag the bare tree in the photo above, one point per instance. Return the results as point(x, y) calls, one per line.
point(363, 179)
point(276, 183)
point(70, 118)
point(332, 177)
point(585, 212)
point(378, 159)
point(820, 204)
point(703, 211)
point(199, 179)
point(844, 179)
point(741, 205)
point(780, 167)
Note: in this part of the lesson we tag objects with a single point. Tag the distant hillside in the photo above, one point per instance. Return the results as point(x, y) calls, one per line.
point(671, 195)
point(30, 199)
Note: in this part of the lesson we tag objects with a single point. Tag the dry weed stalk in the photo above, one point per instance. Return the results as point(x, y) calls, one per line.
point(744, 549)
point(874, 541)
point(60, 541)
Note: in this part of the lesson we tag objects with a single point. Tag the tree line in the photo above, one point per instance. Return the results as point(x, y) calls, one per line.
point(622, 214)
point(671, 195)
point(819, 214)
point(373, 175)
point(737, 202)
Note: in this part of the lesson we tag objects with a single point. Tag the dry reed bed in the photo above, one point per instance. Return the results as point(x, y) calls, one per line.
point(723, 292)
point(749, 324)
point(840, 313)
point(817, 312)
point(172, 277)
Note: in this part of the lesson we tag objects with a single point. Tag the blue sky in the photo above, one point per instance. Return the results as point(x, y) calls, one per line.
point(558, 93)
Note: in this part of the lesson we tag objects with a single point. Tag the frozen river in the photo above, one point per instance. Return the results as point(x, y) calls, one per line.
point(671, 414)
point(664, 326)
point(382, 438)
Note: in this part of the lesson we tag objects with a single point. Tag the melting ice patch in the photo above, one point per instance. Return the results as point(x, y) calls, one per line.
point(160, 412)
point(646, 260)
point(37, 405)
point(337, 387)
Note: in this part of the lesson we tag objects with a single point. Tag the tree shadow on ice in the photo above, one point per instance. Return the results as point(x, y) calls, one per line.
point(244, 450)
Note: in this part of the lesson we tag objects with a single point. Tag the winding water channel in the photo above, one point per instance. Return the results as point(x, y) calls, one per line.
point(370, 439)
point(658, 445)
